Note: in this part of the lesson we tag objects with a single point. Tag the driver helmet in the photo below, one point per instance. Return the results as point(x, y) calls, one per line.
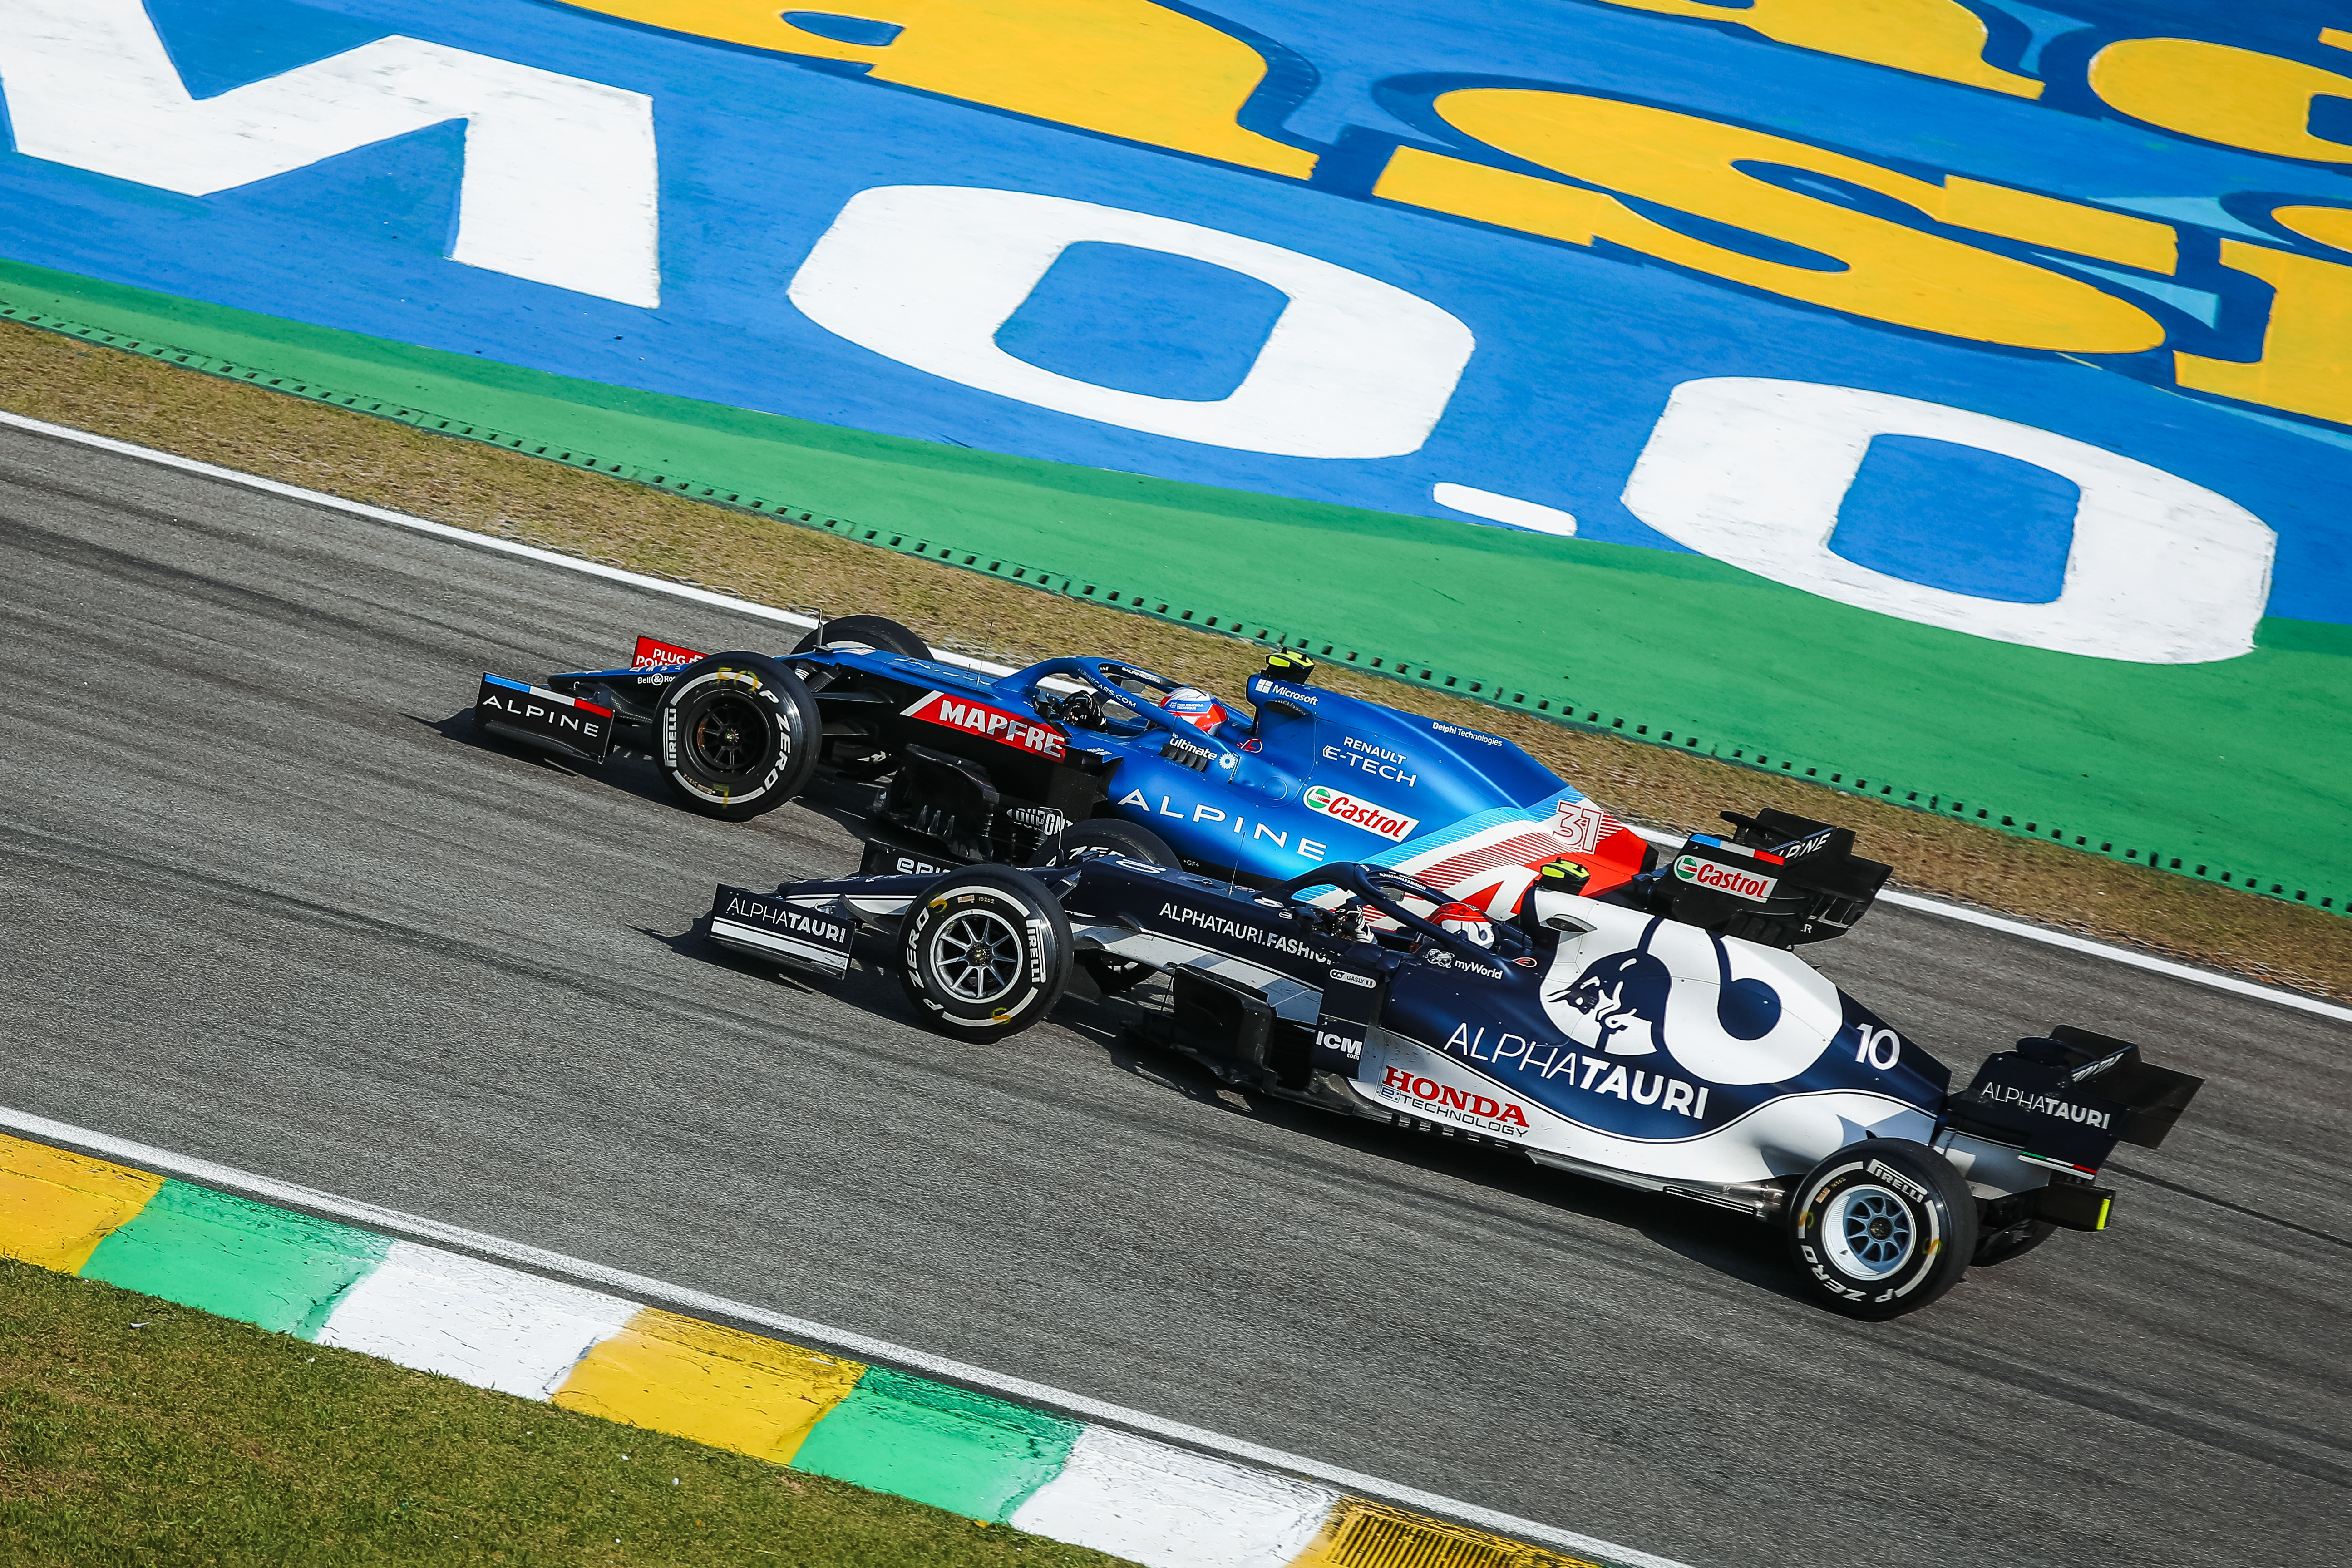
point(1192, 706)
point(1467, 920)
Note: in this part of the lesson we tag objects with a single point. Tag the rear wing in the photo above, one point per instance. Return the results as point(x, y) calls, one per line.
point(2069, 1097)
point(1779, 879)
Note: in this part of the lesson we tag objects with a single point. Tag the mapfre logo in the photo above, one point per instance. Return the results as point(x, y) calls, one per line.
point(1725, 878)
point(1361, 814)
point(990, 724)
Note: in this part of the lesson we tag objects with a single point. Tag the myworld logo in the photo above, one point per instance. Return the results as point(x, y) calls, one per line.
point(1725, 878)
point(1361, 814)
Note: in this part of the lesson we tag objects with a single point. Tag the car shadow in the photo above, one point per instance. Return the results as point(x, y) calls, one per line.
point(1119, 1026)
point(870, 983)
point(1719, 1240)
point(846, 802)
point(695, 943)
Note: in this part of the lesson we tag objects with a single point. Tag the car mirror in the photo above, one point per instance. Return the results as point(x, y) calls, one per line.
point(1556, 911)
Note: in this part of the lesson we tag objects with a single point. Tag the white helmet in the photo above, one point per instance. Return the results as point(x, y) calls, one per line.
point(1467, 920)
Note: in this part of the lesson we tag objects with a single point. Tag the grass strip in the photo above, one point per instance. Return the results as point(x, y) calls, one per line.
point(468, 485)
point(135, 1431)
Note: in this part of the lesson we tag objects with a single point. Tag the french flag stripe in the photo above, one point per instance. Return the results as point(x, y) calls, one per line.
point(544, 695)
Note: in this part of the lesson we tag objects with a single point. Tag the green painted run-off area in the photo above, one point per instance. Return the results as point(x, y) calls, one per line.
point(2240, 770)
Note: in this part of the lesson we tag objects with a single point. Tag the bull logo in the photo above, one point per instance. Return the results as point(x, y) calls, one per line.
point(1618, 1005)
point(1647, 997)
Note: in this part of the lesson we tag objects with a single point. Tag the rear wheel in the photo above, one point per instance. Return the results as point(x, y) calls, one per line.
point(739, 735)
point(985, 953)
point(1112, 975)
point(1109, 833)
point(869, 633)
point(1882, 1227)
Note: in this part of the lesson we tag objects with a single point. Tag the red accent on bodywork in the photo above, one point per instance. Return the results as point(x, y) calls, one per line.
point(654, 653)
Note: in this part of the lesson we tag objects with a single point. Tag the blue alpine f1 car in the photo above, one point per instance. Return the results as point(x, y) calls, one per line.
point(1077, 751)
point(1659, 1034)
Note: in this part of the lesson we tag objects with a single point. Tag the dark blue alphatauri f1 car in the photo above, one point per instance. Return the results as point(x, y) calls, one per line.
point(1076, 752)
point(1659, 1034)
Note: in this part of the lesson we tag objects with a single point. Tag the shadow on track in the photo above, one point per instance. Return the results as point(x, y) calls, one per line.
point(1728, 1244)
point(1119, 1026)
point(844, 802)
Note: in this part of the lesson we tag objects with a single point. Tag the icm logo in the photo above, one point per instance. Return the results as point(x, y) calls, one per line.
point(1352, 1049)
point(1361, 814)
point(1725, 878)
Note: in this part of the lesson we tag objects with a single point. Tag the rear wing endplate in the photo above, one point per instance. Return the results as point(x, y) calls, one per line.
point(1779, 879)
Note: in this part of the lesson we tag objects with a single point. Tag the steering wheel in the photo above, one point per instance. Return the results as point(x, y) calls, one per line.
point(1100, 674)
point(1374, 885)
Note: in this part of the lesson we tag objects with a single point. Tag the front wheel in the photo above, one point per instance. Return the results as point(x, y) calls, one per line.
point(985, 953)
point(1882, 1227)
point(739, 736)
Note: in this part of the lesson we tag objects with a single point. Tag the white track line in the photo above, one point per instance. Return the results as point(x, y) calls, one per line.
point(229, 1179)
point(744, 606)
point(2149, 962)
point(444, 531)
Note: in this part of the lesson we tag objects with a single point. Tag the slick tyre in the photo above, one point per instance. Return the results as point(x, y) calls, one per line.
point(1882, 1227)
point(1112, 975)
point(738, 734)
point(867, 632)
point(985, 952)
point(1119, 838)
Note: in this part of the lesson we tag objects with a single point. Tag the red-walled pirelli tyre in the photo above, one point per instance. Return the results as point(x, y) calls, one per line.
point(985, 953)
point(1882, 1227)
point(739, 734)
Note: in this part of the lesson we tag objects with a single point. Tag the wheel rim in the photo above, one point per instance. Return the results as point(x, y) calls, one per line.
point(1869, 1233)
point(977, 956)
point(729, 736)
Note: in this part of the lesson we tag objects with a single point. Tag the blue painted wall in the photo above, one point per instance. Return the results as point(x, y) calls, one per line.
point(1577, 347)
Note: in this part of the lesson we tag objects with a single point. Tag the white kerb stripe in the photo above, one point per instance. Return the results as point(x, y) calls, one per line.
point(494, 1327)
point(1171, 1507)
point(786, 617)
point(865, 1347)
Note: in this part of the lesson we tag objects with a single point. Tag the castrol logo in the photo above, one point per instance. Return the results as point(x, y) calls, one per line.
point(1723, 879)
point(1361, 814)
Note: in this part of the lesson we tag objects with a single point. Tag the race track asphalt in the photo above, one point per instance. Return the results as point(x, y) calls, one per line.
point(269, 901)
